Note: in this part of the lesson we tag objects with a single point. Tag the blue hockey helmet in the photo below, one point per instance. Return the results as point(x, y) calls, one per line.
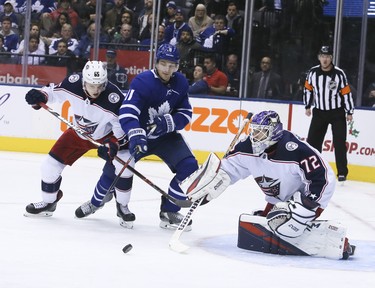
point(168, 52)
point(265, 130)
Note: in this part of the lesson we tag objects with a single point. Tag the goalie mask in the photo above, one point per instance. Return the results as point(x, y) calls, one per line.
point(94, 78)
point(265, 130)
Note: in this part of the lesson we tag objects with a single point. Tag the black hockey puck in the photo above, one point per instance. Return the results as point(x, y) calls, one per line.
point(127, 248)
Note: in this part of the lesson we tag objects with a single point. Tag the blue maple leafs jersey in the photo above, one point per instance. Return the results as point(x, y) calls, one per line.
point(98, 117)
point(148, 97)
point(292, 166)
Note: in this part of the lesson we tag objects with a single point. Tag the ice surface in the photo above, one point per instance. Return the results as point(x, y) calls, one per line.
point(66, 252)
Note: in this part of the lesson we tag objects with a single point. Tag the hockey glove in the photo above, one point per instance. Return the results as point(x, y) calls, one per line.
point(289, 219)
point(137, 142)
point(162, 125)
point(34, 97)
point(108, 149)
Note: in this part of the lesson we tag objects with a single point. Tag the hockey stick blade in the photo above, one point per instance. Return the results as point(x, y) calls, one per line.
point(175, 244)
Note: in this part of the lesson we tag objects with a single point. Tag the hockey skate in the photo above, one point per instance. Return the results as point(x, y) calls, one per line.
point(348, 250)
point(88, 208)
point(171, 220)
point(126, 217)
point(42, 209)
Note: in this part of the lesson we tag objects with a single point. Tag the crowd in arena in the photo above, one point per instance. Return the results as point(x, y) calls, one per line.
point(64, 30)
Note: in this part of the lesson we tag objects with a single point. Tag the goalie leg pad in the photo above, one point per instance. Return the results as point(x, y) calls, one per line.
point(209, 180)
point(256, 237)
point(321, 238)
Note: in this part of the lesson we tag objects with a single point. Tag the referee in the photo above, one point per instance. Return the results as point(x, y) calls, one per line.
point(327, 89)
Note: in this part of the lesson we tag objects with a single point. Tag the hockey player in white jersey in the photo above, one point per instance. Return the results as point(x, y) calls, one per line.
point(297, 182)
point(95, 105)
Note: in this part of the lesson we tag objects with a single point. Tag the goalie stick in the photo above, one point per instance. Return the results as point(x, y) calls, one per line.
point(178, 202)
point(174, 243)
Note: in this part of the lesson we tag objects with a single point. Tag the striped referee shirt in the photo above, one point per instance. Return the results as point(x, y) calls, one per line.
point(328, 90)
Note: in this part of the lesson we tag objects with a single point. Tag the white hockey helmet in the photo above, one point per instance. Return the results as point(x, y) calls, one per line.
point(95, 72)
point(94, 78)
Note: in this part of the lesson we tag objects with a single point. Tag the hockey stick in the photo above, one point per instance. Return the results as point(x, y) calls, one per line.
point(120, 173)
point(174, 243)
point(178, 202)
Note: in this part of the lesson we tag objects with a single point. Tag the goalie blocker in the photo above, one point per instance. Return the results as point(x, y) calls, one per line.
point(321, 238)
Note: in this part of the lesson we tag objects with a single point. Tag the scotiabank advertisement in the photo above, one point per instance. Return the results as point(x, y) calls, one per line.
point(214, 124)
point(12, 74)
point(134, 63)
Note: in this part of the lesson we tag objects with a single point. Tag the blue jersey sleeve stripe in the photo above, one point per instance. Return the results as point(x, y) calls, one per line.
point(128, 115)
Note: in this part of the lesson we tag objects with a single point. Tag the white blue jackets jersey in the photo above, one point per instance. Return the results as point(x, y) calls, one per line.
point(293, 166)
point(98, 117)
point(148, 97)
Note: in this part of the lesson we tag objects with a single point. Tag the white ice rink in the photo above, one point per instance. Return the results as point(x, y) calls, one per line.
point(65, 252)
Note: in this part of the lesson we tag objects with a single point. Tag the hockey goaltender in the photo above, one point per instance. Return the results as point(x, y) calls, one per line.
point(298, 185)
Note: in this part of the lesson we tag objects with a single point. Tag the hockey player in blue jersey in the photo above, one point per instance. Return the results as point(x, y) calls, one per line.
point(154, 109)
point(297, 182)
point(95, 105)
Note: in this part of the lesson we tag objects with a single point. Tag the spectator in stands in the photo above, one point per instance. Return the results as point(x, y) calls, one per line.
point(233, 74)
point(145, 43)
point(266, 84)
point(213, 7)
point(200, 21)
point(217, 81)
point(9, 12)
point(113, 17)
point(34, 30)
point(169, 18)
point(10, 38)
point(55, 31)
point(128, 18)
point(369, 96)
point(63, 57)
point(187, 47)
point(33, 52)
point(236, 22)
point(67, 35)
point(143, 19)
point(173, 31)
point(39, 9)
point(87, 11)
point(4, 55)
point(216, 38)
point(116, 74)
point(146, 32)
point(53, 21)
point(125, 40)
point(199, 85)
point(83, 50)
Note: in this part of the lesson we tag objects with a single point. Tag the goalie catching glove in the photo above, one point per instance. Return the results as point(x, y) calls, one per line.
point(289, 219)
point(208, 182)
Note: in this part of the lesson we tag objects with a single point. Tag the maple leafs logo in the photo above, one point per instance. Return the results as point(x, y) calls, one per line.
point(164, 108)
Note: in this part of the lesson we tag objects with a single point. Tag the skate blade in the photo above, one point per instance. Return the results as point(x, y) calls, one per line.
point(169, 226)
point(126, 224)
point(39, 215)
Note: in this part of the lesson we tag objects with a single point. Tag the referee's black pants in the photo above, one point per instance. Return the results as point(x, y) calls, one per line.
point(318, 129)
